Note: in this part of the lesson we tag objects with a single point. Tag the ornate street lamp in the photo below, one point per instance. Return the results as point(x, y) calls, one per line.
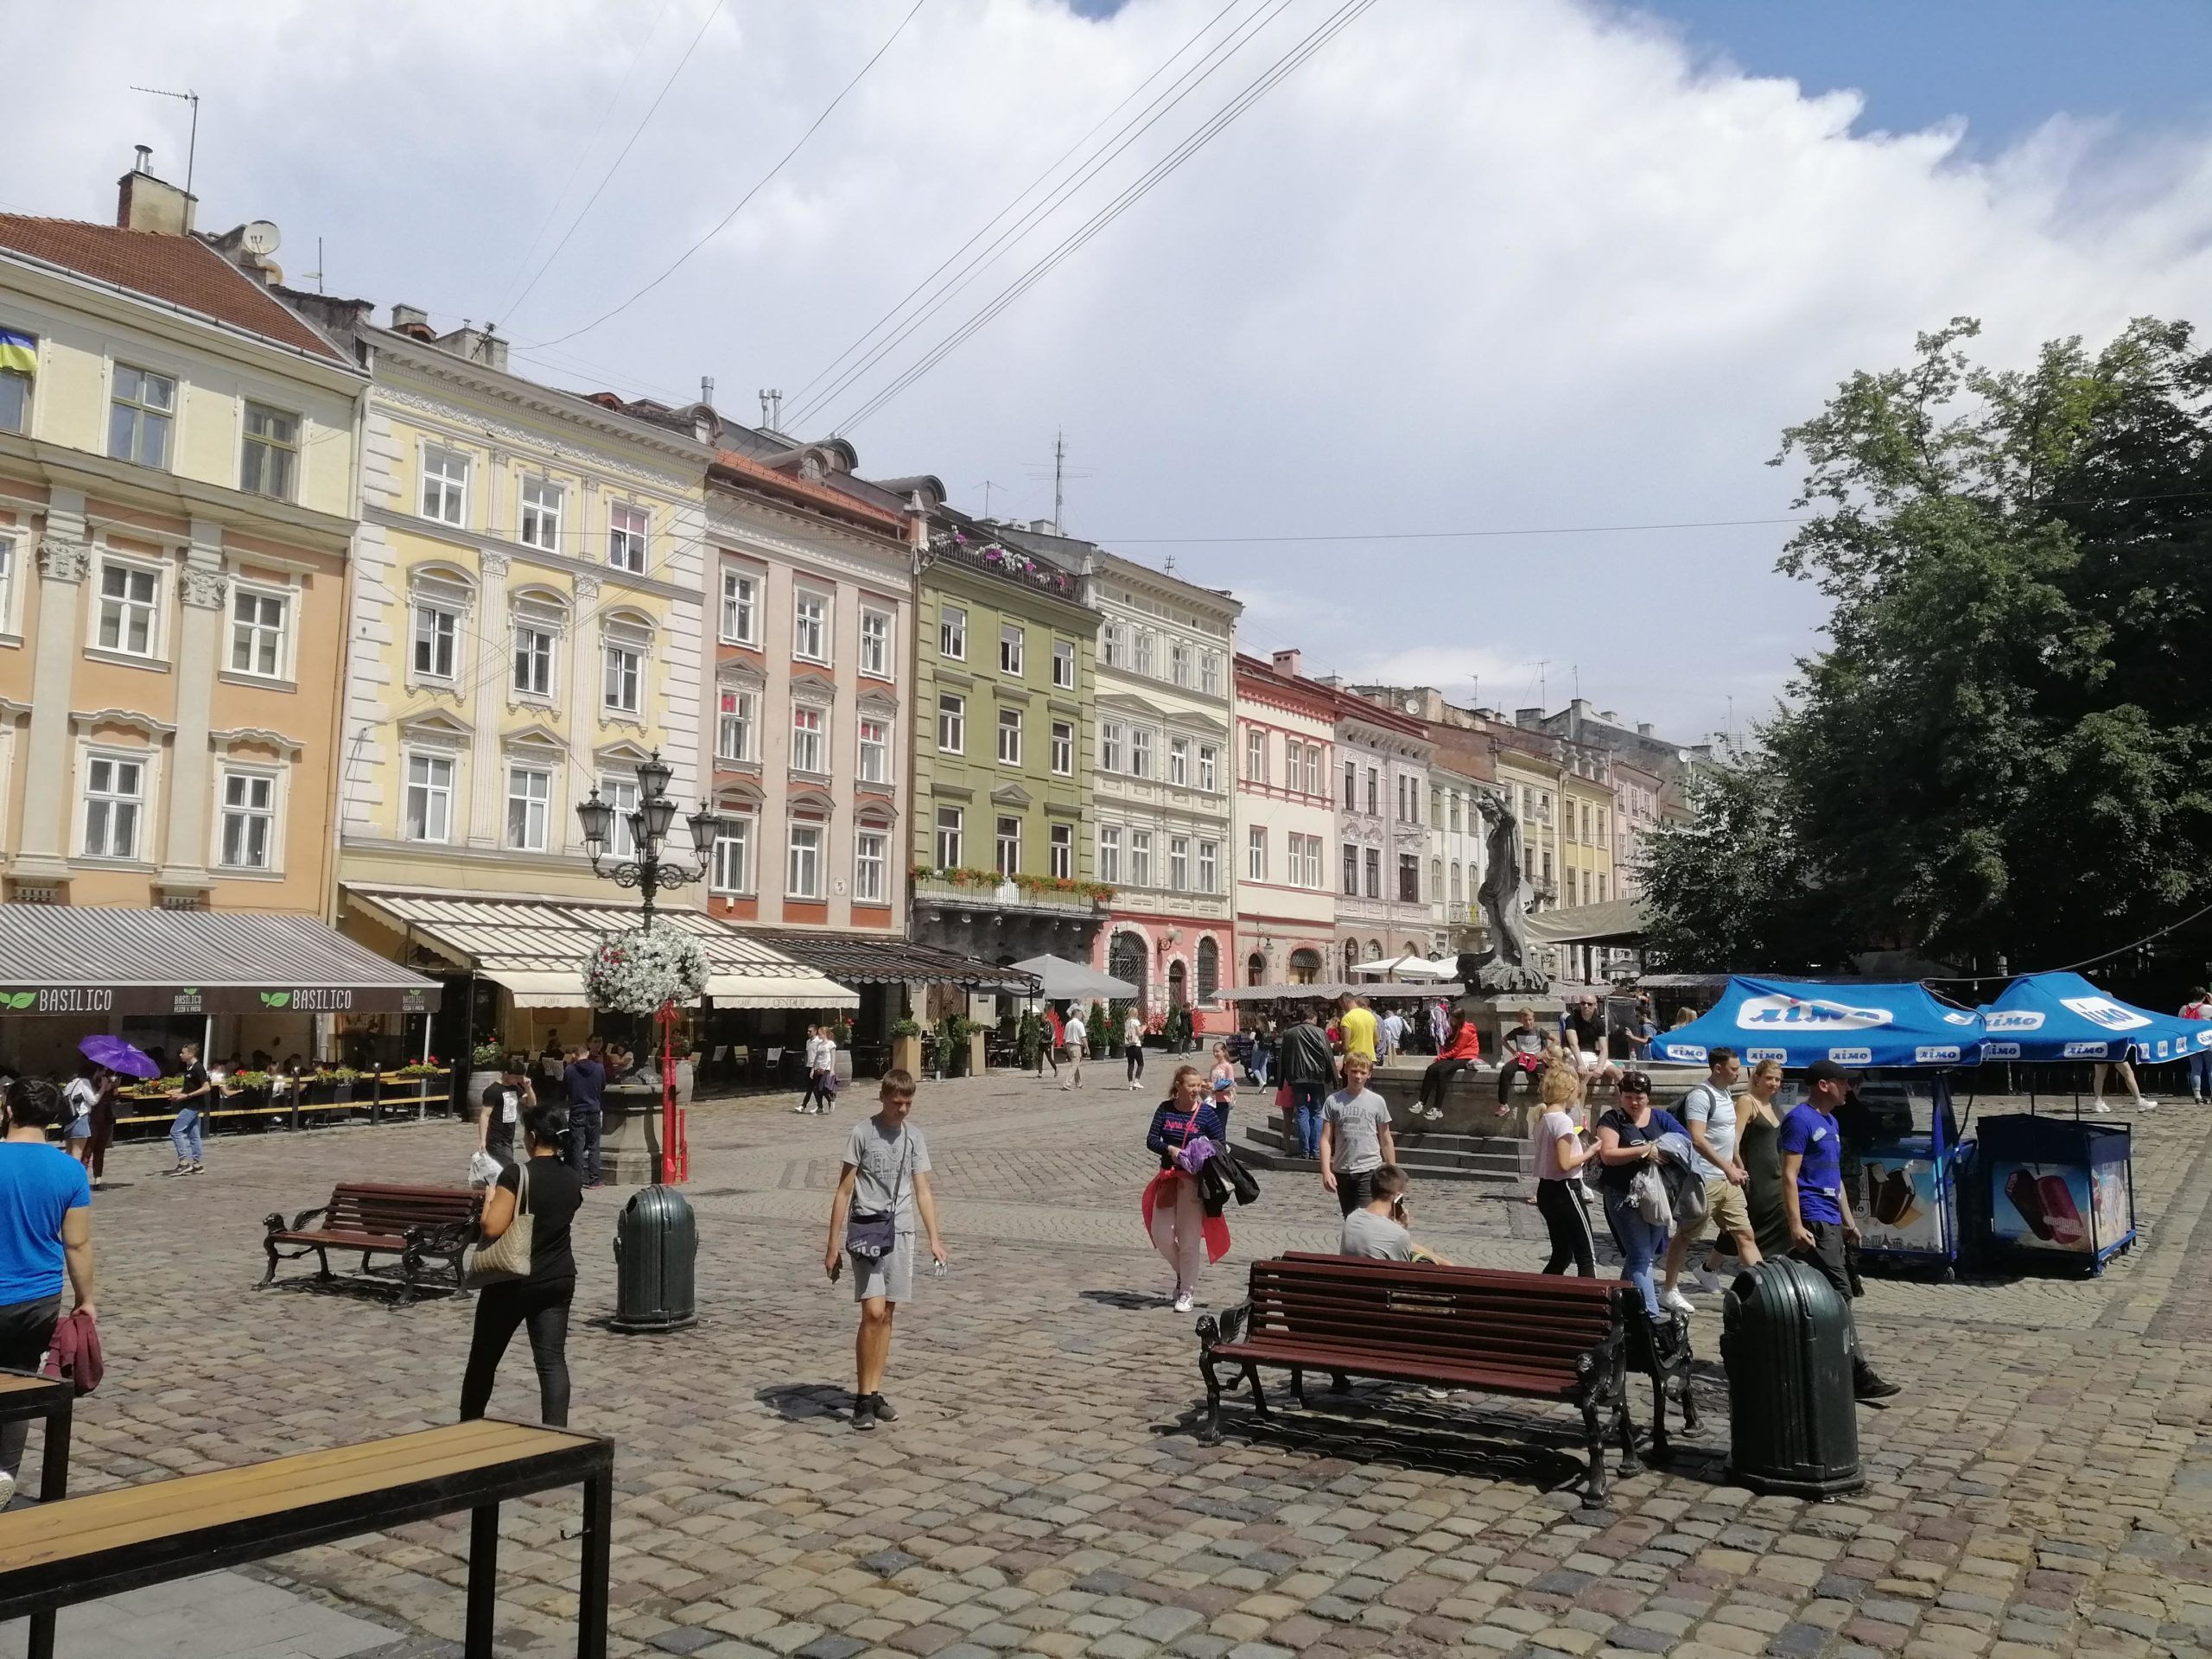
point(649, 827)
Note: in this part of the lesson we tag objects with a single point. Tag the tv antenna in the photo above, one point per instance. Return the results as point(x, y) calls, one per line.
point(987, 485)
point(191, 146)
point(1061, 472)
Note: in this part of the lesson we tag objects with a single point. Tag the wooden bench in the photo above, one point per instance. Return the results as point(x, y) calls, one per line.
point(55, 1555)
point(1528, 1335)
point(418, 1224)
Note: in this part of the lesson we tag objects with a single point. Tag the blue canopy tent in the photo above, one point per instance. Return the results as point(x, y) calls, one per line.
point(1798, 1021)
point(2064, 1017)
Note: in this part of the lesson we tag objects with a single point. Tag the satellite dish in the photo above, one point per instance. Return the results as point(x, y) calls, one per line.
point(1412, 705)
point(260, 238)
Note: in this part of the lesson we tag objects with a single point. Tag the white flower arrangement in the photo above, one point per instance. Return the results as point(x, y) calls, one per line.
point(640, 973)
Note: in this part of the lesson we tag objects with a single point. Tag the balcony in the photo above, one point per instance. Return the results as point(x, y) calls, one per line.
point(985, 890)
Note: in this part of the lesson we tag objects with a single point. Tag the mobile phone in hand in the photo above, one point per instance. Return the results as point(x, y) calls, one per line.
point(837, 1271)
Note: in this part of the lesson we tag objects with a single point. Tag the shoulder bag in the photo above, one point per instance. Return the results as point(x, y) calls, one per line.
point(871, 1235)
point(507, 1256)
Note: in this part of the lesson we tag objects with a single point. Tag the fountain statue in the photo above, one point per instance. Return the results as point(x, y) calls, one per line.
point(1504, 967)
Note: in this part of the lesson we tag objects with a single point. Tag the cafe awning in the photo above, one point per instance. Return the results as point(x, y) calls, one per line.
point(536, 947)
point(88, 959)
point(875, 959)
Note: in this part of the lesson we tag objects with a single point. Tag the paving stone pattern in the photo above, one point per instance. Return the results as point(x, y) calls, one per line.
point(2040, 1489)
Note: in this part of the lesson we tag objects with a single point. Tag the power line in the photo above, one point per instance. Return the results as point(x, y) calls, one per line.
point(1436, 535)
point(723, 223)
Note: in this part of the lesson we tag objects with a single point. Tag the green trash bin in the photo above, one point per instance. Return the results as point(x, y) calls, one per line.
point(1785, 1341)
point(656, 1249)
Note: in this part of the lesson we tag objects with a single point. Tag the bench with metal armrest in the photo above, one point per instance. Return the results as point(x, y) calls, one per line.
point(421, 1225)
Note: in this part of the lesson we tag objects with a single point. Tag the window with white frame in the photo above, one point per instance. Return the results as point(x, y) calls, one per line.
point(1140, 858)
point(115, 798)
point(623, 686)
point(1458, 892)
point(1113, 645)
point(875, 643)
point(249, 840)
point(741, 608)
point(733, 725)
point(529, 805)
point(1315, 854)
point(807, 752)
point(445, 485)
point(629, 527)
point(1374, 794)
point(1313, 769)
point(257, 618)
point(1142, 655)
point(869, 862)
point(874, 750)
point(1209, 867)
point(131, 609)
point(1351, 787)
point(1256, 853)
point(621, 794)
point(9, 547)
point(733, 855)
point(1210, 674)
point(1255, 755)
point(1141, 751)
point(1352, 871)
point(952, 633)
point(1006, 847)
point(141, 408)
point(948, 837)
point(811, 626)
point(269, 461)
point(1010, 737)
point(1011, 640)
point(1060, 853)
point(541, 503)
point(18, 363)
point(430, 798)
point(1113, 744)
point(1178, 762)
point(802, 866)
point(534, 644)
point(951, 723)
point(1109, 853)
point(1062, 749)
point(437, 641)
point(1209, 767)
point(1063, 665)
point(1178, 863)
point(1178, 663)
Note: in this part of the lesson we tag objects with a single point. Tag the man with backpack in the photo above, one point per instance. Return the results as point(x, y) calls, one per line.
point(1709, 1113)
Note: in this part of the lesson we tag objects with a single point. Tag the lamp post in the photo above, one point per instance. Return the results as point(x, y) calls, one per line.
point(649, 826)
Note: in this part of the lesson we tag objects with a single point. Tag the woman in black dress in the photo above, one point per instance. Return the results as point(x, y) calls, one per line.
point(545, 1188)
point(1758, 1124)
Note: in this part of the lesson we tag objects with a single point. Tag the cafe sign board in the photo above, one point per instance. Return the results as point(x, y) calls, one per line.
point(63, 998)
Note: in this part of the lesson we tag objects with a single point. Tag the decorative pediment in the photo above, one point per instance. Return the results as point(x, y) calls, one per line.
point(621, 752)
point(1191, 720)
point(1010, 795)
point(536, 735)
point(740, 794)
point(255, 737)
point(1127, 702)
point(875, 812)
point(813, 683)
point(736, 672)
point(435, 726)
point(810, 797)
point(872, 701)
point(134, 720)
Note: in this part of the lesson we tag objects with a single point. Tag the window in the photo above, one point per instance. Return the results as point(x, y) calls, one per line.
point(1435, 808)
point(733, 725)
point(533, 660)
point(1064, 665)
point(1006, 851)
point(1140, 857)
point(741, 608)
point(1209, 867)
point(875, 643)
point(114, 791)
point(1374, 867)
point(1454, 817)
point(811, 627)
point(625, 676)
point(806, 740)
point(1139, 752)
point(628, 530)
point(1010, 737)
point(1374, 793)
point(7, 577)
point(868, 861)
point(1458, 888)
point(1255, 755)
point(1436, 878)
point(803, 866)
point(1062, 852)
point(1113, 645)
point(1351, 787)
point(1062, 749)
point(733, 855)
point(1109, 853)
point(1010, 642)
point(529, 796)
point(445, 485)
point(952, 633)
point(621, 794)
point(249, 819)
point(1312, 770)
point(1308, 873)
point(1143, 651)
point(1209, 767)
point(1256, 853)
point(1178, 863)
point(948, 837)
point(271, 456)
point(1210, 679)
point(1352, 871)
point(130, 609)
point(874, 751)
point(1178, 762)
point(256, 632)
point(138, 417)
point(1208, 969)
point(1178, 663)
point(541, 514)
point(1601, 887)
point(18, 363)
point(951, 723)
point(429, 798)
point(1113, 738)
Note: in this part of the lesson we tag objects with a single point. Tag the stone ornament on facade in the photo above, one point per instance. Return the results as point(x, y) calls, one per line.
point(201, 588)
point(63, 561)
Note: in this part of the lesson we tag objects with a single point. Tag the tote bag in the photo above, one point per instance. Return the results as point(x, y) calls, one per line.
point(507, 1256)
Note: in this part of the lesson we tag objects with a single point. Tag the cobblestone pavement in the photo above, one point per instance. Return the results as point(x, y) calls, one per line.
point(2039, 1489)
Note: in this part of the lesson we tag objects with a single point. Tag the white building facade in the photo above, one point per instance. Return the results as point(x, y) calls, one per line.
point(1382, 790)
point(1455, 857)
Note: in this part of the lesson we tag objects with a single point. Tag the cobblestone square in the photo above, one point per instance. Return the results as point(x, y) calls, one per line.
point(2038, 1489)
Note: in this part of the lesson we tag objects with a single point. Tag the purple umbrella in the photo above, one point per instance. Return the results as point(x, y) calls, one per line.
point(117, 1056)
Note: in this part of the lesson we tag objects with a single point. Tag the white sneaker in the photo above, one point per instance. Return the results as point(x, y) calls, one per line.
point(1707, 1281)
point(2144, 1104)
point(1133, 1088)
point(7, 1490)
point(2102, 1106)
point(1186, 1302)
point(1679, 1303)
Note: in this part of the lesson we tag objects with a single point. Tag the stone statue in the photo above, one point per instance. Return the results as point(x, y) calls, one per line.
point(1504, 899)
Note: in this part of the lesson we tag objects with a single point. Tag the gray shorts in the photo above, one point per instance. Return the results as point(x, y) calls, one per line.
point(891, 1277)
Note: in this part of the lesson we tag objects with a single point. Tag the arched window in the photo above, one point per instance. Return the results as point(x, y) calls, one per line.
point(1209, 969)
point(1352, 957)
point(1178, 980)
point(1125, 959)
point(1255, 968)
point(1304, 967)
point(1375, 949)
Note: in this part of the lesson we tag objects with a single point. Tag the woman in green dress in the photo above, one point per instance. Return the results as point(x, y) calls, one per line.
point(1757, 1126)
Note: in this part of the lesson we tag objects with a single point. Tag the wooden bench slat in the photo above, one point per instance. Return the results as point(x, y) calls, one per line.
point(1547, 1383)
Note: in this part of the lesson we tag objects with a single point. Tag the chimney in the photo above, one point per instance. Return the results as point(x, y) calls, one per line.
point(1644, 728)
point(1611, 717)
point(1531, 718)
point(475, 345)
point(1290, 663)
point(144, 202)
point(411, 320)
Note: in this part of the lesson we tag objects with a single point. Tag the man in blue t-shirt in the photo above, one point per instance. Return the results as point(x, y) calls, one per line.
point(45, 1233)
point(1818, 1206)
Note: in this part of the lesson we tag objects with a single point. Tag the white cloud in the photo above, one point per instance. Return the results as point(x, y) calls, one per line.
point(1526, 263)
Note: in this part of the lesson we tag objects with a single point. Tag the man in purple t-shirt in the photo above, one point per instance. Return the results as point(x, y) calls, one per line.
point(1818, 1206)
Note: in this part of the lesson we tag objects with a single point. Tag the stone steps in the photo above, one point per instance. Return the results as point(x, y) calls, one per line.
point(1430, 1154)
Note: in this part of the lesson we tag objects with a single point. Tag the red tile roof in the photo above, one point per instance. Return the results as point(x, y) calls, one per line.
point(182, 270)
point(807, 490)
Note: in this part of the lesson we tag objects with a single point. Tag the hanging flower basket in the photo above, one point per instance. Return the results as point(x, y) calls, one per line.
point(641, 973)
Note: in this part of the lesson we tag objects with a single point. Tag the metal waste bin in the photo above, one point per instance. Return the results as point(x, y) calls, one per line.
point(1785, 1341)
point(656, 1248)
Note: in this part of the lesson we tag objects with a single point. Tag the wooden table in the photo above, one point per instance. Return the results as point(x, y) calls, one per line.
point(57, 1554)
point(23, 1394)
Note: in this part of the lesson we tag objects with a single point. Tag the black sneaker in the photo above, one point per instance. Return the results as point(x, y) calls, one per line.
point(864, 1411)
point(881, 1408)
point(1865, 1384)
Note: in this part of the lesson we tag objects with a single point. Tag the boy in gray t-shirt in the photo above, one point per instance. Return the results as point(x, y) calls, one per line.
point(886, 1172)
point(1355, 1138)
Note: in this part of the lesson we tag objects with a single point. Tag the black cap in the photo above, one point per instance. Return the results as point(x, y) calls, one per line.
point(1825, 1072)
point(1635, 1082)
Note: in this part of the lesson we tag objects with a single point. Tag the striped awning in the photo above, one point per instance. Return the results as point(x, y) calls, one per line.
point(89, 959)
point(536, 947)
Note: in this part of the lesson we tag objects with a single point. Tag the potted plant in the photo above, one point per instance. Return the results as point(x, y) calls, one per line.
point(484, 1063)
point(906, 1047)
